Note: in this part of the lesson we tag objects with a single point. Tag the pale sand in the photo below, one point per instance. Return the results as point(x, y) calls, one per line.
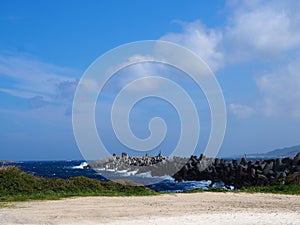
point(197, 208)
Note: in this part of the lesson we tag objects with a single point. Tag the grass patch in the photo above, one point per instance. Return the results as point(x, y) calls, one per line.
point(282, 186)
point(213, 189)
point(17, 185)
point(288, 185)
point(291, 189)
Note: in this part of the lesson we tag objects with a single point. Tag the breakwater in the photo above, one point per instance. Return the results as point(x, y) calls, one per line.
point(230, 172)
point(238, 174)
point(157, 165)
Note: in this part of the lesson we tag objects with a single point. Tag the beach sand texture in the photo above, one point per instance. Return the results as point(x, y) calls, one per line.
point(195, 208)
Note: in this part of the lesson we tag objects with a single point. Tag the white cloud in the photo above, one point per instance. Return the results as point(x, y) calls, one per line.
point(201, 40)
point(259, 29)
point(142, 70)
point(269, 31)
point(280, 91)
point(141, 67)
point(254, 30)
point(264, 32)
point(241, 111)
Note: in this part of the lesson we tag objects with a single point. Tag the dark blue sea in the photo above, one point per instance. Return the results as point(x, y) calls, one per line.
point(66, 169)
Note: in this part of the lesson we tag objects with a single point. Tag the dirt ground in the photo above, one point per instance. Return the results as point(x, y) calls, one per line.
point(195, 208)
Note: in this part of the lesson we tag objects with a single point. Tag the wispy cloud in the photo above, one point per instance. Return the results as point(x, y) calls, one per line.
point(36, 81)
point(241, 111)
point(17, 93)
point(37, 102)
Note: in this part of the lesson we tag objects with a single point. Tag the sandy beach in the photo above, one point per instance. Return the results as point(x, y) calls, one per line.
point(196, 208)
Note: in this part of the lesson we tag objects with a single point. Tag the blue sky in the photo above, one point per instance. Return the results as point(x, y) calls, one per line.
point(45, 47)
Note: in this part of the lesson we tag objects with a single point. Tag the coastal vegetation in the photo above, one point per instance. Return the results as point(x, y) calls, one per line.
point(287, 185)
point(290, 189)
point(17, 185)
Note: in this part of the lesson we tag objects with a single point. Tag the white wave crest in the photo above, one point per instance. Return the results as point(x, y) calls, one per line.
point(81, 166)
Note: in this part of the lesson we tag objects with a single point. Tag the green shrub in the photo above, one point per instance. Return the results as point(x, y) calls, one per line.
point(276, 189)
point(16, 185)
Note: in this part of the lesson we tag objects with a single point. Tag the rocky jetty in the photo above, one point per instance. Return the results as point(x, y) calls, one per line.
point(158, 165)
point(230, 172)
point(238, 174)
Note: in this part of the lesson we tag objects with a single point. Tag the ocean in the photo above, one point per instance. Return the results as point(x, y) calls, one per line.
point(66, 169)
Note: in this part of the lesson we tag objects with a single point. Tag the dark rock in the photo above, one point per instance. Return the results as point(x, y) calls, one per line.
point(262, 179)
point(252, 172)
point(235, 162)
point(267, 168)
point(244, 161)
point(287, 161)
point(293, 178)
point(259, 171)
point(279, 175)
point(271, 173)
point(296, 160)
point(86, 167)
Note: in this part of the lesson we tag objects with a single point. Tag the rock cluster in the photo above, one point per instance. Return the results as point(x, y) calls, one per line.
point(238, 174)
point(158, 165)
point(230, 172)
point(125, 162)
